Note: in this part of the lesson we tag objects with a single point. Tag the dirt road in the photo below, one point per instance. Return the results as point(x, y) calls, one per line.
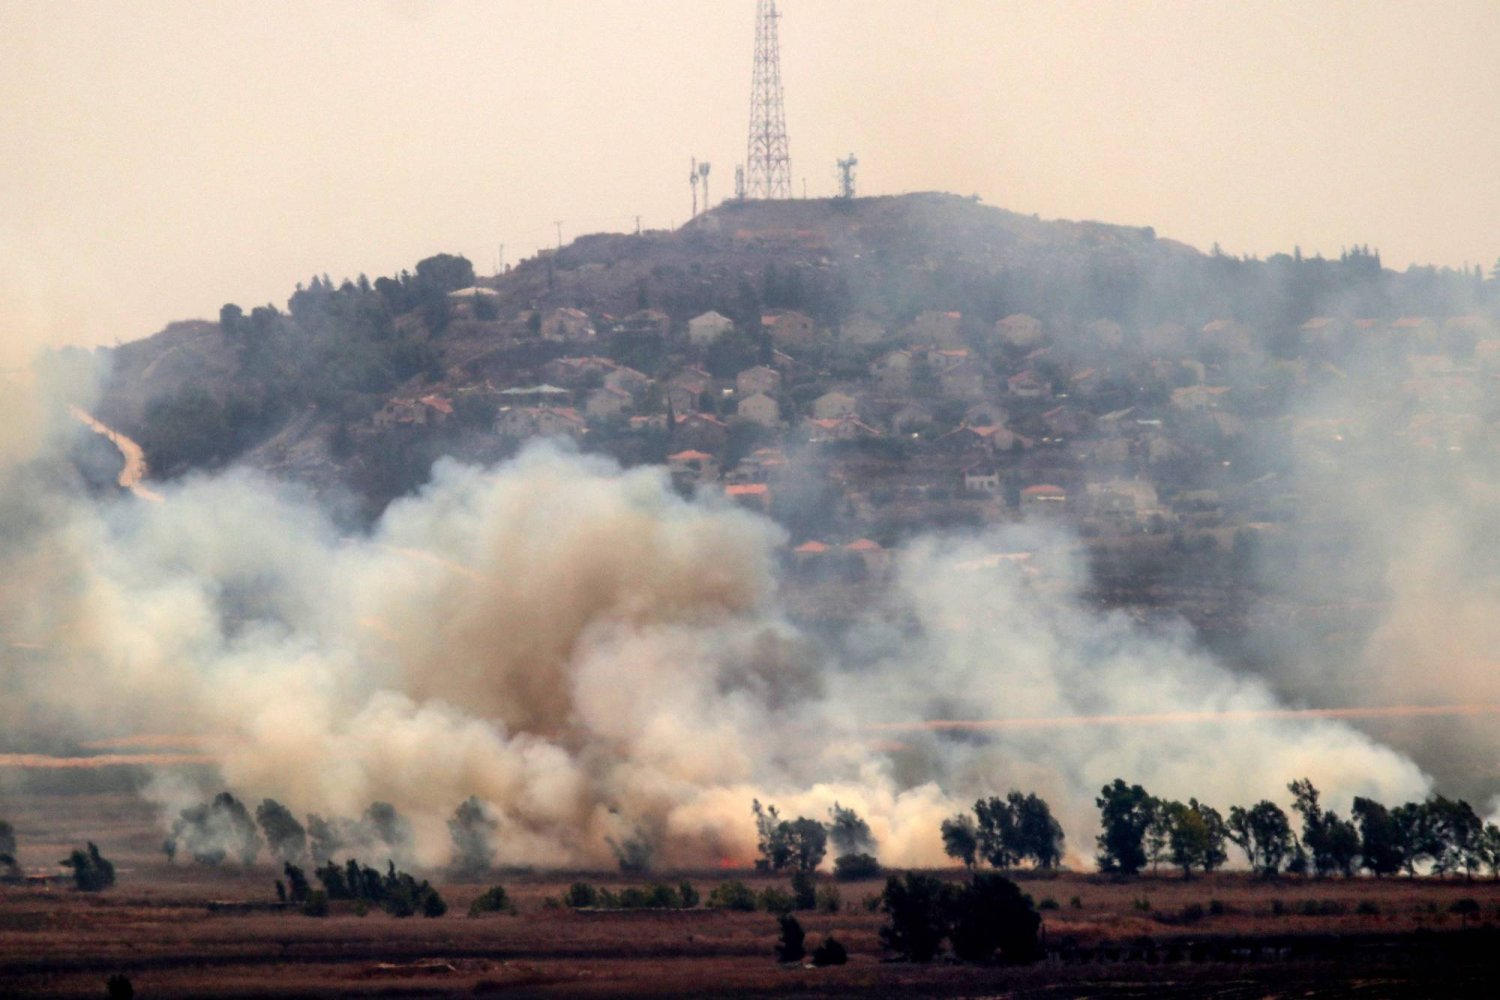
point(133, 474)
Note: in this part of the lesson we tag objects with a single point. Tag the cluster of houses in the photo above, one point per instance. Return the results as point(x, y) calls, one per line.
point(1119, 430)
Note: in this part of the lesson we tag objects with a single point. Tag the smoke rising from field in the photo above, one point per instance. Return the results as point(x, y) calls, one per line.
point(596, 659)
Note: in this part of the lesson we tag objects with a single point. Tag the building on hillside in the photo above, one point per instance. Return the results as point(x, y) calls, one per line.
point(518, 422)
point(1122, 504)
point(686, 387)
point(567, 325)
point(964, 379)
point(910, 418)
point(644, 323)
point(756, 496)
point(834, 404)
point(982, 477)
point(1043, 498)
point(573, 372)
point(760, 409)
point(1106, 334)
point(1020, 331)
point(760, 378)
point(1065, 422)
point(1231, 336)
point(535, 395)
point(427, 411)
point(705, 328)
point(788, 327)
point(690, 467)
point(1028, 385)
point(627, 379)
point(845, 428)
point(892, 371)
point(701, 431)
point(875, 556)
point(936, 327)
point(607, 403)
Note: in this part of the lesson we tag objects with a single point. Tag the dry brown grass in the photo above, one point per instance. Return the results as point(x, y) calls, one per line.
point(155, 928)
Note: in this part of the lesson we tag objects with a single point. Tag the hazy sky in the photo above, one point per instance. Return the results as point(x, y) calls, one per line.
point(163, 158)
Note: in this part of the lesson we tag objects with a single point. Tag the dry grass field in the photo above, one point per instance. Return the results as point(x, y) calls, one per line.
point(1284, 938)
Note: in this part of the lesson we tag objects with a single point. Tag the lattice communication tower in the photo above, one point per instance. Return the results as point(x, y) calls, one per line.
point(768, 172)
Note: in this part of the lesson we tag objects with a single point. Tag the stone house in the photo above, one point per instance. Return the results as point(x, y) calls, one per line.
point(759, 408)
point(705, 328)
point(833, 405)
point(760, 378)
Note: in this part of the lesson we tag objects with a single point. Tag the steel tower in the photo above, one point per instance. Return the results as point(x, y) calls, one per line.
point(768, 170)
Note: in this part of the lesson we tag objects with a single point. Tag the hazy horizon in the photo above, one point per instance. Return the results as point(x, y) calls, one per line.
point(172, 157)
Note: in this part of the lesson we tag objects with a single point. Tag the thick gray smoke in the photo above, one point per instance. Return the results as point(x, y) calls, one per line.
point(596, 659)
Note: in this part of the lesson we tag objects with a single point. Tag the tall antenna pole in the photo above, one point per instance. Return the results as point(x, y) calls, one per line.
point(693, 180)
point(768, 163)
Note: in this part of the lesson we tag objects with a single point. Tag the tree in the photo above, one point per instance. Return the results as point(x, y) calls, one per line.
point(1264, 834)
point(1039, 836)
point(790, 947)
point(472, 831)
point(1333, 843)
point(961, 839)
point(231, 317)
point(1125, 812)
point(992, 914)
point(848, 833)
point(1457, 833)
point(92, 872)
point(296, 882)
point(917, 916)
point(770, 840)
point(445, 272)
point(1381, 846)
point(1196, 836)
point(997, 832)
point(808, 840)
point(9, 869)
point(1158, 838)
point(214, 830)
point(285, 837)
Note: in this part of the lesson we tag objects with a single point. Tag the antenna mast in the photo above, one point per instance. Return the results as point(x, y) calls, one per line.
point(768, 163)
point(693, 180)
point(846, 177)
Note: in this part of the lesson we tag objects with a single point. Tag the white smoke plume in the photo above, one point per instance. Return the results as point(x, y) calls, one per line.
point(596, 659)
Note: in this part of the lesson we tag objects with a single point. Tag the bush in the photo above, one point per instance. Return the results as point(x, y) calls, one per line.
point(828, 900)
point(777, 900)
point(581, 896)
point(1143, 904)
point(917, 910)
point(849, 867)
point(1367, 908)
point(1278, 908)
point(992, 914)
point(789, 947)
point(732, 895)
point(91, 871)
point(1192, 913)
point(433, 904)
point(119, 987)
point(804, 891)
point(689, 895)
point(316, 905)
point(1465, 908)
point(1076, 902)
point(493, 900)
point(830, 952)
point(1049, 904)
point(1216, 908)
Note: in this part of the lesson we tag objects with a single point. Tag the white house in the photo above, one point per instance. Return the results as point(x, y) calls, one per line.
point(704, 328)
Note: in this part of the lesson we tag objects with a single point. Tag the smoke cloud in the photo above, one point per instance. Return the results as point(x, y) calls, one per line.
point(599, 661)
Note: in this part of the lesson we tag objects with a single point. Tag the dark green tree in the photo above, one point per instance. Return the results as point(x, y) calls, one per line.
point(1264, 834)
point(1125, 811)
point(992, 914)
point(961, 839)
point(1381, 845)
point(917, 911)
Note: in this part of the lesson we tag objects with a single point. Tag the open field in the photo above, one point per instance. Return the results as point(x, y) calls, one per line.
point(157, 927)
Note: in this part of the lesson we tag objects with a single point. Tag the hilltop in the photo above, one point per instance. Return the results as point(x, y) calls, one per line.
point(862, 371)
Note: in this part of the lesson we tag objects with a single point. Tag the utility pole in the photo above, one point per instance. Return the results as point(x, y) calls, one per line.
point(846, 177)
point(767, 158)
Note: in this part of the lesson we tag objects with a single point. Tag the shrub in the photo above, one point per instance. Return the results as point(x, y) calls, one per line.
point(688, 894)
point(804, 891)
point(777, 900)
point(1076, 902)
point(1216, 908)
point(663, 897)
point(1465, 908)
point(828, 900)
point(917, 912)
point(789, 947)
point(433, 904)
point(91, 871)
point(992, 914)
point(849, 867)
point(316, 905)
point(1192, 913)
point(830, 952)
point(1049, 904)
point(493, 900)
point(1367, 908)
point(1278, 908)
point(1143, 904)
point(581, 896)
point(118, 987)
point(732, 895)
